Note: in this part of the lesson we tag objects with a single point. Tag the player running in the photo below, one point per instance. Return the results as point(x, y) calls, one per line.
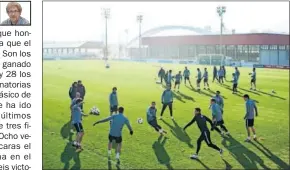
point(253, 79)
point(186, 74)
point(205, 79)
point(118, 121)
point(167, 100)
point(198, 80)
point(178, 78)
point(235, 83)
point(249, 117)
point(217, 117)
point(77, 122)
point(205, 133)
point(151, 118)
point(113, 99)
point(161, 74)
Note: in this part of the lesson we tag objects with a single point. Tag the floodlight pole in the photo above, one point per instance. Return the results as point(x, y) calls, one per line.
point(221, 10)
point(106, 14)
point(139, 20)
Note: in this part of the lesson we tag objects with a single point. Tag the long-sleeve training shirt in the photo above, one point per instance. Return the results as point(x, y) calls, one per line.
point(178, 77)
point(186, 73)
point(151, 114)
point(216, 112)
point(117, 124)
point(113, 99)
point(219, 100)
point(167, 96)
point(201, 122)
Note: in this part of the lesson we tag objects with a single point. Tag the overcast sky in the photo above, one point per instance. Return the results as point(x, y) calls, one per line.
point(80, 21)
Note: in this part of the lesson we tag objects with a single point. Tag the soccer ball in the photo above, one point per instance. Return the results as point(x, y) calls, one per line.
point(95, 111)
point(273, 91)
point(140, 120)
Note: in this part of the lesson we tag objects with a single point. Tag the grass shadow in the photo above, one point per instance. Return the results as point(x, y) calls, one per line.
point(204, 165)
point(69, 153)
point(250, 91)
point(270, 155)
point(247, 158)
point(272, 95)
point(160, 152)
point(177, 97)
point(186, 97)
point(200, 92)
point(228, 165)
point(65, 131)
point(179, 133)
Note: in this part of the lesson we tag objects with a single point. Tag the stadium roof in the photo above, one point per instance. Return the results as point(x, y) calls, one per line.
point(228, 39)
point(83, 44)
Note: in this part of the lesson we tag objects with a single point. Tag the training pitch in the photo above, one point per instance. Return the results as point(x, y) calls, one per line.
point(137, 87)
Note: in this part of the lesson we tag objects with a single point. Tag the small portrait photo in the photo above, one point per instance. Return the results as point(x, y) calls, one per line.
point(15, 13)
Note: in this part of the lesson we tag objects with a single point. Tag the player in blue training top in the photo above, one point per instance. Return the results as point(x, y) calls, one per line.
point(205, 133)
point(217, 117)
point(117, 123)
point(113, 99)
point(219, 100)
point(251, 110)
point(77, 122)
point(237, 72)
point(178, 79)
point(167, 100)
point(186, 74)
point(235, 83)
point(221, 74)
point(253, 79)
point(198, 80)
point(205, 79)
point(152, 120)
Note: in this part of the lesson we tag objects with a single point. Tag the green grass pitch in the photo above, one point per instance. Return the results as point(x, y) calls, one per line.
point(136, 89)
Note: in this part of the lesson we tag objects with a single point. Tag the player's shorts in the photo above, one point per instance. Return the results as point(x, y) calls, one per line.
point(186, 78)
point(249, 122)
point(198, 81)
point(253, 80)
point(79, 127)
point(114, 108)
point(235, 85)
point(117, 139)
point(205, 80)
point(177, 82)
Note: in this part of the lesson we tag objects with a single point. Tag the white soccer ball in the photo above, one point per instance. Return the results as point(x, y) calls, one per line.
point(273, 91)
point(140, 120)
point(95, 111)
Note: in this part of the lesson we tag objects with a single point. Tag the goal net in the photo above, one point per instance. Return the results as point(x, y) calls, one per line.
point(211, 59)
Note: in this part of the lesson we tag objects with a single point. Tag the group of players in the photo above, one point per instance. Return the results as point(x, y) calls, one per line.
point(219, 75)
point(118, 120)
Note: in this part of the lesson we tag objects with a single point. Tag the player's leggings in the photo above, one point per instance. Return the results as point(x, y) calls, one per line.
point(205, 135)
point(155, 125)
point(164, 107)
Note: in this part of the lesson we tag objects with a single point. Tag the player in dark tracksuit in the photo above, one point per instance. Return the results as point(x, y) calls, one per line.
point(82, 90)
point(221, 74)
point(151, 118)
point(178, 79)
point(225, 73)
point(215, 72)
point(205, 79)
point(251, 110)
point(161, 74)
point(73, 90)
point(167, 100)
point(205, 133)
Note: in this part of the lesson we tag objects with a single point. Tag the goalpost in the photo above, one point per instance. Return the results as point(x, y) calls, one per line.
point(211, 59)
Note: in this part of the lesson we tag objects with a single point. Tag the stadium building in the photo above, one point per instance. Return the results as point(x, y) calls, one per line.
point(260, 48)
